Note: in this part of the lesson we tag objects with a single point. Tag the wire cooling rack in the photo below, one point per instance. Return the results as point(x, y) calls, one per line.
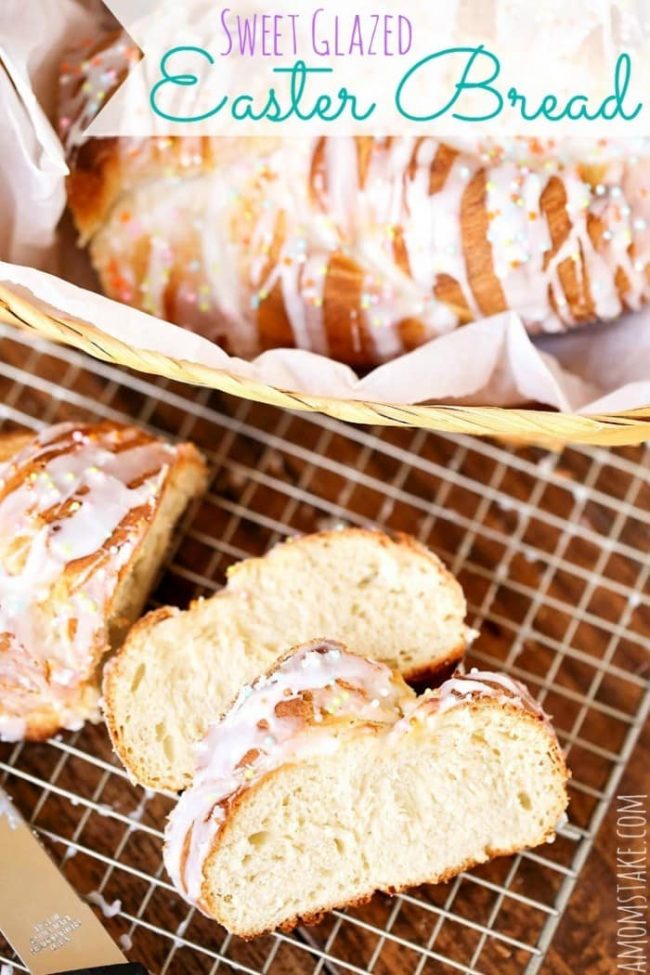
point(552, 551)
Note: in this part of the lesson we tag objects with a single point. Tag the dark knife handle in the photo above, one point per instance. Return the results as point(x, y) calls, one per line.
point(128, 969)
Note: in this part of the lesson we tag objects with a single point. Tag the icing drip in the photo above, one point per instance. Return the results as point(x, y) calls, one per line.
point(107, 909)
point(303, 709)
point(9, 811)
point(519, 237)
point(303, 249)
point(504, 689)
point(74, 506)
point(11, 728)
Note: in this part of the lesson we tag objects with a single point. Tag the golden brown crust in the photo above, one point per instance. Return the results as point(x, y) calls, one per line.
point(103, 170)
point(147, 622)
point(574, 284)
point(424, 677)
point(475, 223)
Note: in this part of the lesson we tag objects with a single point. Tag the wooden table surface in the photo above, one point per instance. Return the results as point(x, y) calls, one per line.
point(552, 552)
point(586, 938)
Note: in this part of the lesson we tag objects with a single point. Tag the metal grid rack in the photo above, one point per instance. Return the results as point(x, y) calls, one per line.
point(552, 553)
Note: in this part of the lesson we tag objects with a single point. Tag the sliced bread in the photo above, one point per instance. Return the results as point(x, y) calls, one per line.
point(389, 597)
point(330, 779)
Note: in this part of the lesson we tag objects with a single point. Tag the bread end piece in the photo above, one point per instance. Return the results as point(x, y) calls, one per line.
point(334, 798)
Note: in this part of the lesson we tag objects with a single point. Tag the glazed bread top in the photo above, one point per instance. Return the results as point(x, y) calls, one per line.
point(314, 697)
point(359, 249)
point(76, 502)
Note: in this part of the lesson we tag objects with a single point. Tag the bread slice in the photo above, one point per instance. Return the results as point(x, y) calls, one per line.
point(329, 779)
point(86, 513)
point(390, 597)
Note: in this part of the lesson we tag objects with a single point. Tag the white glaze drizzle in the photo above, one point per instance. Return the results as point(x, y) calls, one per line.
point(519, 237)
point(62, 499)
point(12, 728)
point(107, 909)
point(484, 683)
point(346, 693)
point(9, 811)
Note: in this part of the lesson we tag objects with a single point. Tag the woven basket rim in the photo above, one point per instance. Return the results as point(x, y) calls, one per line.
point(546, 427)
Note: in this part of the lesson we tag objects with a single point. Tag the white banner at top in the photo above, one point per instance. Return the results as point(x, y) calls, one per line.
point(462, 69)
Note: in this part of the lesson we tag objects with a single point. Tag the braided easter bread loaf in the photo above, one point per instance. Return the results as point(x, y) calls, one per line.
point(329, 779)
point(177, 671)
point(359, 249)
point(86, 513)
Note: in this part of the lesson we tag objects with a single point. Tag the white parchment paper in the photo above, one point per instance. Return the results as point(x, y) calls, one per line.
point(603, 368)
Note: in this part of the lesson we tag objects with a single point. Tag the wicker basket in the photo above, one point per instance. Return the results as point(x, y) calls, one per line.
point(546, 428)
